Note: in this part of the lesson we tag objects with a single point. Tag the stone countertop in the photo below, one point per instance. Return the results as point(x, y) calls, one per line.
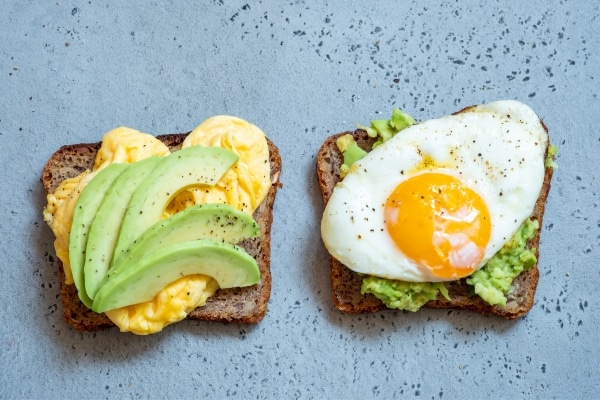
point(70, 72)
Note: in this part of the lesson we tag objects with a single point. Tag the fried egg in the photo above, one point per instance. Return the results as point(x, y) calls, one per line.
point(438, 200)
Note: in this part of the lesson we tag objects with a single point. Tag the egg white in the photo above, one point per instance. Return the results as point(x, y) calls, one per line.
point(496, 149)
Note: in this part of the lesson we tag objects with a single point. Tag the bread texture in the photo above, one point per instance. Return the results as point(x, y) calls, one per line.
point(241, 305)
point(346, 284)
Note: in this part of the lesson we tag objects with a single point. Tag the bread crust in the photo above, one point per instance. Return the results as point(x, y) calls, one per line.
point(242, 305)
point(346, 284)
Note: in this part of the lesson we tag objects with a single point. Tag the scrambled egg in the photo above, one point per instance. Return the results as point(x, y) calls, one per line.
point(247, 183)
point(126, 145)
point(170, 305)
point(244, 187)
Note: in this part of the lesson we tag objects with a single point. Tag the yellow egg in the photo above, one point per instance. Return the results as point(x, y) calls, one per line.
point(126, 145)
point(180, 202)
point(171, 305)
point(246, 184)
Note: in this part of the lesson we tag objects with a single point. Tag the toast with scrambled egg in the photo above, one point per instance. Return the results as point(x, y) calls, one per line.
point(240, 305)
point(346, 284)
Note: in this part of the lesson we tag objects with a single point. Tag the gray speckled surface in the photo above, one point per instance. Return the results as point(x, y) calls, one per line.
point(69, 71)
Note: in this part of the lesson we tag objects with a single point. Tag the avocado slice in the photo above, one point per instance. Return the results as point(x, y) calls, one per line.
point(85, 210)
point(228, 264)
point(202, 221)
point(104, 230)
point(192, 166)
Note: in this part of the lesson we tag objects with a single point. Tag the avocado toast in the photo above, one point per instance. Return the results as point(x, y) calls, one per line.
point(348, 286)
point(241, 304)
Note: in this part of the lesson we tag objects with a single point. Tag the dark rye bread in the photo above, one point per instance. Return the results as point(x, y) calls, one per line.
point(346, 284)
point(241, 305)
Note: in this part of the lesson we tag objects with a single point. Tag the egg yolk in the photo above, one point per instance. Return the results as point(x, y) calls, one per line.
point(439, 223)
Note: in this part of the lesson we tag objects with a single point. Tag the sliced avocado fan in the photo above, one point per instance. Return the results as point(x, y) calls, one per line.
point(106, 225)
point(192, 166)
point(228, 264)
point(85, 210)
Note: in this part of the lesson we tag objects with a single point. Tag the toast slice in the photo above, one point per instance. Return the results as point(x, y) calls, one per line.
point(241, 305)
point(346, 284)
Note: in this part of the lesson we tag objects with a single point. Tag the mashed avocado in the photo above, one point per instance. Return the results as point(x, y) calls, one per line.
point(351, 151)
point(387, 128)
point(383, 129)
point(550, 163)
point(402, 295)
point(493, 281)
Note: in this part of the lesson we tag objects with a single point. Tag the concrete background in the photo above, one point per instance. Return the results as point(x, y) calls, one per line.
point(70, 71)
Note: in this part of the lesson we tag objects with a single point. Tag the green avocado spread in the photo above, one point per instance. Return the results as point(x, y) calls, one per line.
point(493, 280)
point(550, 163)
point(382, 129)
point(351, 151)
point(403, 295)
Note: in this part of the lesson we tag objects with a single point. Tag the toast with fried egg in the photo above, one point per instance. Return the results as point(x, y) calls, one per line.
point(346, 284)
point(240, 305)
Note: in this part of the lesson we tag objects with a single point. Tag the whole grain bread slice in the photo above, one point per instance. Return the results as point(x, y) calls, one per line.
point(346, 284)
point(241, 305)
